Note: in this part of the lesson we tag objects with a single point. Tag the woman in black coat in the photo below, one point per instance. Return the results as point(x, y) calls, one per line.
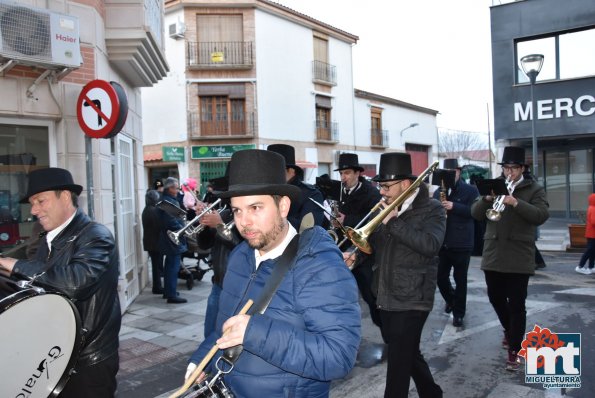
point(151, 228)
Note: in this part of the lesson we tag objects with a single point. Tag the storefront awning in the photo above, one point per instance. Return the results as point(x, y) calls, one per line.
point(304, 164)
point(153, 156)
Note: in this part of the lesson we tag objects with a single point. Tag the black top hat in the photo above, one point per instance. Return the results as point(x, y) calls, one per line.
point(394, 166)
point(452, 163)
point(157, 184)
point(258, 172)
point(50, 179)
point(349, 161)
point(513, 155)
point(287, 151)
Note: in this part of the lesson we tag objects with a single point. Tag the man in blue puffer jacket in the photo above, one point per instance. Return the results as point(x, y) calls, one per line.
point(310, 332)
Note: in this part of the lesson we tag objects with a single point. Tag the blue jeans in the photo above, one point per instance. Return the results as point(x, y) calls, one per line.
point(589, 254)
point(170, 275)
point(212, 309)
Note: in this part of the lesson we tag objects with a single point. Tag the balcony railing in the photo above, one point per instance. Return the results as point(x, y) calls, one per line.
point(324, 73)
point(379, 138)
point(215, 129)
point(208, 55)
point(327, 132)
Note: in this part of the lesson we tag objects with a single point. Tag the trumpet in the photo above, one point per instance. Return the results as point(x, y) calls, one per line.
point(495, 213)
point(359, 237)
point(175, 236)
point(225, 231)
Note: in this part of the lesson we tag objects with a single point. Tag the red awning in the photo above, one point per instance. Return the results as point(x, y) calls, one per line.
point(153, 156)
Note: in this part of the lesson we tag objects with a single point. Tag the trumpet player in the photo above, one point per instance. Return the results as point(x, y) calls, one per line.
point(172, 252)
point(406, 244)
point(294, 175)
point(455, 252)
point(509, 248)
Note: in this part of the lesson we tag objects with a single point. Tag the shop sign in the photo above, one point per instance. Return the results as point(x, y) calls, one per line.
point(173, 154)
point(217, 151)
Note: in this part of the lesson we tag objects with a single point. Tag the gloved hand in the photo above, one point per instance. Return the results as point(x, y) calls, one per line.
point(405, 206)
point(191, 367)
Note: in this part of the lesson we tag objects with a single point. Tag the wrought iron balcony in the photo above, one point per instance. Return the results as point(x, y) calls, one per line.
point(378, 138)
point(215, 55)
point(324, 73)
point(327, 132)
point(242, 126)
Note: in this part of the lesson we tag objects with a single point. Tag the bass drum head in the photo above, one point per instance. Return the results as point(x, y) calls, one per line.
point(39, 342)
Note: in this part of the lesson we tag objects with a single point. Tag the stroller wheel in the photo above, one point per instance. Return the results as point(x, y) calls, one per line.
point(189, 282)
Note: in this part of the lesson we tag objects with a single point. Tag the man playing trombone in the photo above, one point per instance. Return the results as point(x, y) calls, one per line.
point(406, 241)
point(310, 332)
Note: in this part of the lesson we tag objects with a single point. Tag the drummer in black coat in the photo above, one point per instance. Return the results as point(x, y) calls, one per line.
point(295, 176)
point(458, 242)
point(357, 198)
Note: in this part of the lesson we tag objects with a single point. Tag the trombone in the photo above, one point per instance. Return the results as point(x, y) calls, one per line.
point(363, 220)
point(334, 235)
point(359, 237)
point(175, 236)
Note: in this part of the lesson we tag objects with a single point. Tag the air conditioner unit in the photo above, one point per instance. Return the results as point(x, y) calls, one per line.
point(39, 37)
point(177, 30)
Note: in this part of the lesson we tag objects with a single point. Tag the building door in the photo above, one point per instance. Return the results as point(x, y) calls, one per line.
point(419, 157)
point(127, 231)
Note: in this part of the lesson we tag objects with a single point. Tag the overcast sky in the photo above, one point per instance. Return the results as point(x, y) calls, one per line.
point(431, 53)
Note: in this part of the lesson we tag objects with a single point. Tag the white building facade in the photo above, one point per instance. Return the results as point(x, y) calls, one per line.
point(247, 74)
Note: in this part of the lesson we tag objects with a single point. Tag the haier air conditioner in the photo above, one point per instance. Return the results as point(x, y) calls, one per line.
point(34, 36)
point(177, 30)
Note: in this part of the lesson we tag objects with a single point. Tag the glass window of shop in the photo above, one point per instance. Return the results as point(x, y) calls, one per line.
point(568, 181)
point(22, 149)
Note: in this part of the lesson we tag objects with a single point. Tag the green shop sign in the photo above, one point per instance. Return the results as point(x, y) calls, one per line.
point(173, 154)
point(217, 151)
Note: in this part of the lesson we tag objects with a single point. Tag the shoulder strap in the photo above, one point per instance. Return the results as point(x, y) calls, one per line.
point(283, 265)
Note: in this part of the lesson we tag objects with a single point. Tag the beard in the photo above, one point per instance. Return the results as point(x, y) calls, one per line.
point(264, 240)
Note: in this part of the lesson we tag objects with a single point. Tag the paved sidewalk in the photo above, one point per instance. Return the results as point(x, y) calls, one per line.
point(157, 339)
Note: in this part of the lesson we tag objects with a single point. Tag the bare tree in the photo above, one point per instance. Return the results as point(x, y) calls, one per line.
point(452, 143)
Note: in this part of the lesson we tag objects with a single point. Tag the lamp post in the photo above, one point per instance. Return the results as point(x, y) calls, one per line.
point(531, 65)
point(408, 127)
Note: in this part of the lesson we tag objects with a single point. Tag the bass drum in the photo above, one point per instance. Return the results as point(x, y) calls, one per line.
point(40, 338)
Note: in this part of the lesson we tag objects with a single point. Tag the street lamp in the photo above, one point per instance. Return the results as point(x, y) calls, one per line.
point(531, 65)
point(408, 127)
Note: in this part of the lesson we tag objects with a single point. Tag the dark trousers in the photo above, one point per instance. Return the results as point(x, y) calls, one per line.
point(507, 293)
point(403, 331)
point(170, 275)
point(458, 261)
point(589, 254)
point(95, 381)
point(538, 257)
point(156, 268)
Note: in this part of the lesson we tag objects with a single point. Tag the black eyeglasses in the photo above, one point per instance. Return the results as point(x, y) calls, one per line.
point(510, 168)
point(386, 187)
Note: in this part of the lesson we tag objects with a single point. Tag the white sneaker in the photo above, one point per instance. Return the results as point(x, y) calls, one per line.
point(583, 270)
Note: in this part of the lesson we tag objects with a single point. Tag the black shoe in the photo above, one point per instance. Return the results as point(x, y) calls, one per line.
point(457, 321)
point(176, 300)
point(158, 290)
point(540, 266)
point(448, 308)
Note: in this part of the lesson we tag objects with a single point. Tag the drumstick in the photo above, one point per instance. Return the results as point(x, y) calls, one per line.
point(206, 359)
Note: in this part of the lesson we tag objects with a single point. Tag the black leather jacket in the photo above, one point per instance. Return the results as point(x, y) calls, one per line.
point(83, 264)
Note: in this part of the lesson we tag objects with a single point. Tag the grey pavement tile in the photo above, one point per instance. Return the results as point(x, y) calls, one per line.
point(127, 332)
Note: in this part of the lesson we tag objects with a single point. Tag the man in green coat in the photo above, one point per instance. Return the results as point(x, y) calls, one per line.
point(509, 248)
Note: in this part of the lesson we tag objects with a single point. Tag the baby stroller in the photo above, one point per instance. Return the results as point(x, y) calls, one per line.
point(190, 273)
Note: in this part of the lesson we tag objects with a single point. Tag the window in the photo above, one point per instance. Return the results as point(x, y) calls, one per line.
point(220, 41)
point(22, 149)
point(566, 56)
point(324, 127)
point(322, 71)
point(376, 133)
point(222, 109)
